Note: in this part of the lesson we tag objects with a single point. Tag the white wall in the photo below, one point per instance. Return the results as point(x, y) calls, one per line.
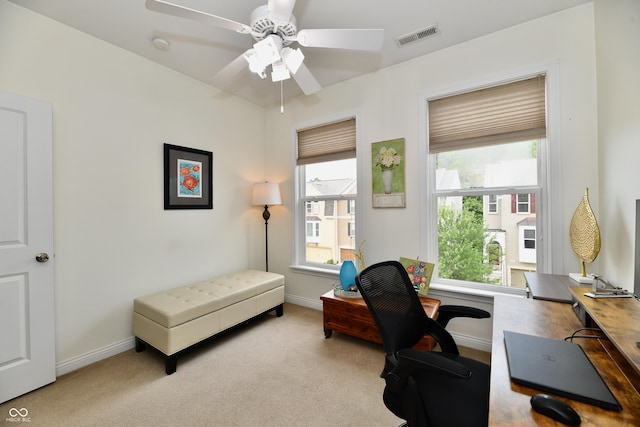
point(617, 26)
point(112, 112)
point(388, 103)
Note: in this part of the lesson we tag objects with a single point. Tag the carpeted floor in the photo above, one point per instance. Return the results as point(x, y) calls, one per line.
point(271, 372)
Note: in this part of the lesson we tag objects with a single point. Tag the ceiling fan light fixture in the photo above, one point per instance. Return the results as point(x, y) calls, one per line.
point(292, 58)
point(255, 65)
point(268, 50)
point(279, 72)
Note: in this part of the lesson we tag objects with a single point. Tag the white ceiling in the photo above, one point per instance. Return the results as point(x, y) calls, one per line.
point(201, 50)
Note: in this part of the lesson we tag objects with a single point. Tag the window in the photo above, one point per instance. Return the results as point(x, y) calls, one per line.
point(312, 208)
point(327, 189)
point(492, 208)
point(484, 150)
point(313, 231)
point(529, 239)
point(522, 203)
point(527, 243)
point(351, 207)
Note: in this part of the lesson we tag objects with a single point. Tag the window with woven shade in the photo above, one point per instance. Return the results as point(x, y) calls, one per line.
point(509, 112)
point(334, 141)
point(483, 146)
point(327, 192)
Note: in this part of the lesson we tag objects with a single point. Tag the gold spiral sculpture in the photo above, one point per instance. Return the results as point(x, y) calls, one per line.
point(584, 233)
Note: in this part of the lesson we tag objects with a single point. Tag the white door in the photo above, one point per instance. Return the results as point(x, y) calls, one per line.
point(27, 341)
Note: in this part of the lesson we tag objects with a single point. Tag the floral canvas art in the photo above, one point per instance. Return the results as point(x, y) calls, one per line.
point(420, 273)
point(388, 173)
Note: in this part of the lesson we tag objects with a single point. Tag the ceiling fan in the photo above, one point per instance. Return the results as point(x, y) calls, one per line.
point(273, 27)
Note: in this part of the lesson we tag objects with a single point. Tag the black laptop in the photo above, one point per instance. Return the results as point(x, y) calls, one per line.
point(557, 367)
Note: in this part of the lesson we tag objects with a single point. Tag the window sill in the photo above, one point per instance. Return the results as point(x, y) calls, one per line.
point(316, 271)
point(479, 292)
point(473, 293)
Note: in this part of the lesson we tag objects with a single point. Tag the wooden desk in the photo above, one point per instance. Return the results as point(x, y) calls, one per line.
point(619, 320)
point(509, 403)
point(351, 316)
point(550, 287)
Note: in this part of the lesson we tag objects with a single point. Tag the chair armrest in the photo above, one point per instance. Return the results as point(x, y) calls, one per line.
point(441, 335)
point(411, 361)
point(448, 312)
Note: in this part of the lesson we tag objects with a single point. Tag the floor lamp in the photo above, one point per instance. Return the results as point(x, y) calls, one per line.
point(266, 193)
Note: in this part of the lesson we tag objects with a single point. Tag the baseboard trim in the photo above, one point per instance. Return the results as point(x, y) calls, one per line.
point(86, 359)
point(472, 342)
point(97, 355)
point(304, 302)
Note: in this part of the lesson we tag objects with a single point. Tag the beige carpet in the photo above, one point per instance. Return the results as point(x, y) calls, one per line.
point(271, 372)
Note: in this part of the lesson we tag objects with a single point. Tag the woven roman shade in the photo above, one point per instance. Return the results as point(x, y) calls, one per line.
point(510, 112)
point(335, 141)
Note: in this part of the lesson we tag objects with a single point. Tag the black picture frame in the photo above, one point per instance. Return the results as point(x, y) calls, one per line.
point(188, 178)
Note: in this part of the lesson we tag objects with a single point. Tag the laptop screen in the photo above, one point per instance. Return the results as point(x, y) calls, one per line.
point(558, 367)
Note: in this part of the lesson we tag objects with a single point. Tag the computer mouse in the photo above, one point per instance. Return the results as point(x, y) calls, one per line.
point(555, 409)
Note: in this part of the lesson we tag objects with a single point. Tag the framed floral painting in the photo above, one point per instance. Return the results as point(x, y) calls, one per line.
point(420, 273)
point(387, 176)
point(188, 177)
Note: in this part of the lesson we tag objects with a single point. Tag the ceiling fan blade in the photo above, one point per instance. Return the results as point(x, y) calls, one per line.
point(196, 15)
point(355, 39)
point(281, 10)
point(231, 71)
point(306, 81)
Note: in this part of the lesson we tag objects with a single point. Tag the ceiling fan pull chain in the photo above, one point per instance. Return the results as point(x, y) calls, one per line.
point(281, 96)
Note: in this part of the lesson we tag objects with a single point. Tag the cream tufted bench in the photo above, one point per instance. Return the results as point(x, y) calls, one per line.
point(174, 320)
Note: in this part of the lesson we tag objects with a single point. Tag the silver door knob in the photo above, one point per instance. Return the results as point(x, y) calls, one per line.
point(42, 257)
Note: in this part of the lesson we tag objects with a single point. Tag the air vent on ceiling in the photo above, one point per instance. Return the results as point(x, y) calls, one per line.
point(417, 35)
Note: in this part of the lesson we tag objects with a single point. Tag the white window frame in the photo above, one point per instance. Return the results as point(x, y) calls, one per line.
point(299, 263)
point(492, 206)
point(351, 207)
point(548, 200)
point(315, 237)
point(525, 254)
point(527, 204)
point(312, 207)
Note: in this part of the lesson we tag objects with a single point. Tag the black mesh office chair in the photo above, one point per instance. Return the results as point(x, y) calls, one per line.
point(425, 388)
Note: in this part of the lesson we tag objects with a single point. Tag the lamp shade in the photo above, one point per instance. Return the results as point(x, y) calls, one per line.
point(266, 193)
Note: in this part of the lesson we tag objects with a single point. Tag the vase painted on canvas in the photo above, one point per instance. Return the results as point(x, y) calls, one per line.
point(387, 180)
point(347, 274)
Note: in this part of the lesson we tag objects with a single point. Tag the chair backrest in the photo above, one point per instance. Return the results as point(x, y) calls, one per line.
point(394, 305)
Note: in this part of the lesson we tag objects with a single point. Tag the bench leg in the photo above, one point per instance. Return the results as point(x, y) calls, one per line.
point(280, 310)
point(171, 364)
point(140, 345)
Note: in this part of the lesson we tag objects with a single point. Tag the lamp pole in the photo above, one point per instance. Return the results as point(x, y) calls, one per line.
point(266, 215)
point(265, 194)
